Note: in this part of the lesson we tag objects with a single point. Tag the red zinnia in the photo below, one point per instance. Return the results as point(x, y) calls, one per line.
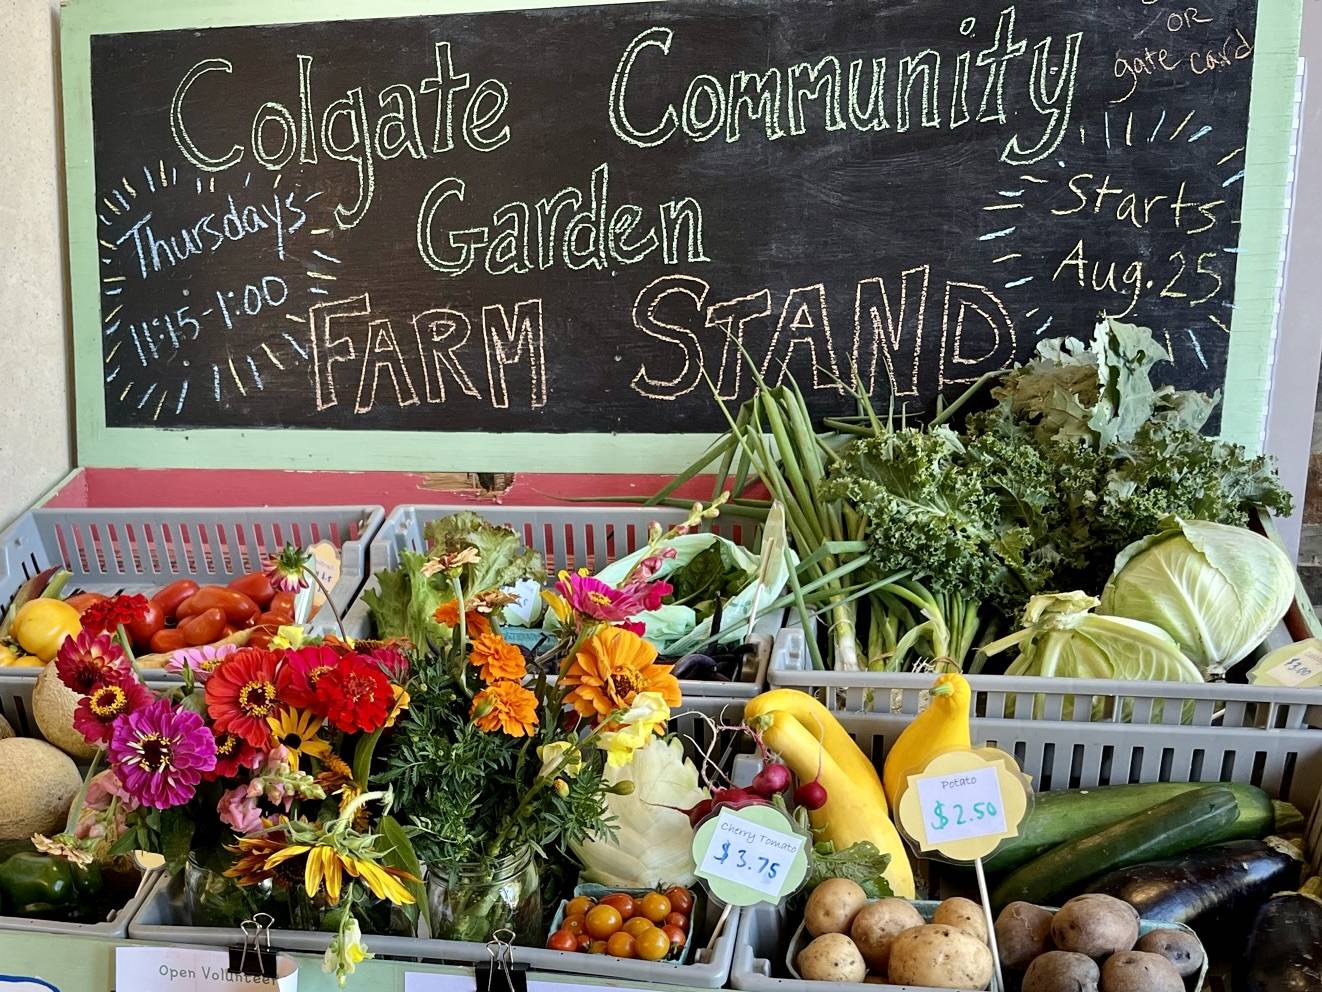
point(108, 614)
point(99, 709)
point(245, 689)
point(233, 754)
point(306, 666)
point(91, 660)
point(355, 695)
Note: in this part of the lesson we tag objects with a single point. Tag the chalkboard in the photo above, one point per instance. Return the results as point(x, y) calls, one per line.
point(587, 219)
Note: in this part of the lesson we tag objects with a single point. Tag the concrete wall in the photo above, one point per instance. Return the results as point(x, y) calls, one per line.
point(36, 446)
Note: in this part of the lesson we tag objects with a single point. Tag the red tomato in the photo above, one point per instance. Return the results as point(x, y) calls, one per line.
point(681, 899)
point(167, 640)
point(562, 940)
point(169, 598)
point(621, 901)
point(256, 586)
point(237, 607)
point(142, 631)
point(677, 935)
point(282, 602)
point(203, 628)
point(677, 920)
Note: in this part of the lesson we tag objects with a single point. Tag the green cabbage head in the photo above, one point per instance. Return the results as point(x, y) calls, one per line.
point(1217, 590)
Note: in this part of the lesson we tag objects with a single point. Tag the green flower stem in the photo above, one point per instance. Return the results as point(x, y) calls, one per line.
point(76, 807)
point(330, 603)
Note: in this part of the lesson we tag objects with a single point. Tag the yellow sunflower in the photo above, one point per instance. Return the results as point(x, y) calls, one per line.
point(296, 731)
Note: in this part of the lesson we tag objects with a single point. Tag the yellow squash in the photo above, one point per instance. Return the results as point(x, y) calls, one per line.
point(943, 726)
point(855, 807)
point(41, 625)
point(822, 724)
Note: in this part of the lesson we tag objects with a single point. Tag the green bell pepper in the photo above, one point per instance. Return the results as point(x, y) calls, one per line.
point(33, 883)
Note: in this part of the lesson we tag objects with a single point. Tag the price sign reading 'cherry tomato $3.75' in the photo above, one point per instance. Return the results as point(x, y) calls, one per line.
point(750, 855)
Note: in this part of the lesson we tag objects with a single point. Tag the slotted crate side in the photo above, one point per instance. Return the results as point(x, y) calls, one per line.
point(568, 538)
point(139, 550)
point(1028, 698)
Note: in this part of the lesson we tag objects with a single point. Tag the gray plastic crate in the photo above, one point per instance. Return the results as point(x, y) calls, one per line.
point(117, 927)
point(161, 919)
point(763, 940)
point(1023, 698)
point(568, 538)
point(139, 550)
point(16, 685)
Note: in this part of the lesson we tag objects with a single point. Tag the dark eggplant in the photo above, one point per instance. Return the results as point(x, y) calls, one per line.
point(1213, 889)
point(1285, 946)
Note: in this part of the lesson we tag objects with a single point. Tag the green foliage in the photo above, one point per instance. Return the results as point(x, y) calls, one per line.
point(710, 575)
point(862, 863)
point(502, 560)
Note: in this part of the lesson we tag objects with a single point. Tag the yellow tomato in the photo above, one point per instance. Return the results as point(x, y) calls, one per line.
point(42, 624)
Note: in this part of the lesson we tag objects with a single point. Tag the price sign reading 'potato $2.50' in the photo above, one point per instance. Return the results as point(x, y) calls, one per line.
point(964, 803)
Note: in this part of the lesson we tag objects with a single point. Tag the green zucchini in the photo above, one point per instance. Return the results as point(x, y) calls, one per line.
point(1057, 817)
point(1161, 831)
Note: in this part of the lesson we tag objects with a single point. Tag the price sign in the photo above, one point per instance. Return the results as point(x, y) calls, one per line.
point(416, 981)
point(964, 803)
point(1293, 666)
point(750, 855)
point(178, 969)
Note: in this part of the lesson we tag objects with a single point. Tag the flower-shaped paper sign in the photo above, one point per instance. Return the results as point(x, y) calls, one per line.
point(751, 855)
point(964, 804)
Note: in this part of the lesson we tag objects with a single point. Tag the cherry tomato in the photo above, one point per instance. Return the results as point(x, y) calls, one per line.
point(603, 921)
point(142, 631)
point(169, 598)
point(681, 899)
point(574, 924)
point(674, 919)
point(283, 602)
point(621, 945)
point(621, 901)
point(655, 907)
point(203, 628)
point(678, 936)
point(237, 607)
point(83, 600)
point(256, 586)
point(167, 640)
point(584, 941)
point(562, 940)
point(652, 944)
point(578, 906)
point(637, 925)
point(597, 947)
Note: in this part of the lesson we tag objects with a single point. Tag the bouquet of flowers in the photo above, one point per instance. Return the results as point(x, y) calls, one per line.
point(500, 767)
point(264, 756)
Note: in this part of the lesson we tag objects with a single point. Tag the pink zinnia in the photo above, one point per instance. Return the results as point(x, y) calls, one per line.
point(200, 661)
point(97, 712)
point(648, 595)
point(238, 810)
point(389, 658)
point(160, 753)
point(633, 627)
point(596, 599)
point(91, 660)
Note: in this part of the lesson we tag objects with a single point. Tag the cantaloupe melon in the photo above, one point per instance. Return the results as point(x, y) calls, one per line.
point(6, 731)
point(37, 784)
point(53, 704)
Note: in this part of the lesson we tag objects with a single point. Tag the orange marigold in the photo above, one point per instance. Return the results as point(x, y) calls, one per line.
point(447, 614)
point(498, 658)
point(611, 669)
point(507, 707)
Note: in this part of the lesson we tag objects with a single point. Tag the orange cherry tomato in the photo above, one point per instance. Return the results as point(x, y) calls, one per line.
point(203, 628)
point(681, 899)
point(636, 925)
point(83, 600)
point(674, 919)
point(256, 586)
point(621, 945)
point(562, 940)
point(597, 947)
point(621, 901)
point(652, 944)
point(655, 907)
point(169, 598)
point(584, 941)
point(578, 906)
point(676, 935)
point(574, 924)
point(167, 640)
point(603, 921)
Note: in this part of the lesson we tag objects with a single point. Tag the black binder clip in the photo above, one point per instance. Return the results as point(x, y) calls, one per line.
point(254, 958)
point(502, 973)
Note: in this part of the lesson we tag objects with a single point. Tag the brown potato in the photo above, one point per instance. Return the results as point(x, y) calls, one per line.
point(1062, 971)
point(1179, 947)
point(963, 913)
point(1023, 933)
point(833, 905)
point(937, 956)
point(1140, 971)
point(832, 957)
point(878, 924)
point(1096, 925)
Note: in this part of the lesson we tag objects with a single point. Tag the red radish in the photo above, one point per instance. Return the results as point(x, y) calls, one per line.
point(773, 779)
point(810, 795)
point(698, 812)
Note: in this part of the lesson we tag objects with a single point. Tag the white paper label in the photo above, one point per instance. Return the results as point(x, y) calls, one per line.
point(419, 982)
point(1295, 670)
point(751, 855)
point(961, 805)
point(178, 969)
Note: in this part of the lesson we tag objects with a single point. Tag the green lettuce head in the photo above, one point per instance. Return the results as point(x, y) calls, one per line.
point(1217, 590)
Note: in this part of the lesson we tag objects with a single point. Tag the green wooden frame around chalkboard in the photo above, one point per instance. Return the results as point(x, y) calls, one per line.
point(1249, 367)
